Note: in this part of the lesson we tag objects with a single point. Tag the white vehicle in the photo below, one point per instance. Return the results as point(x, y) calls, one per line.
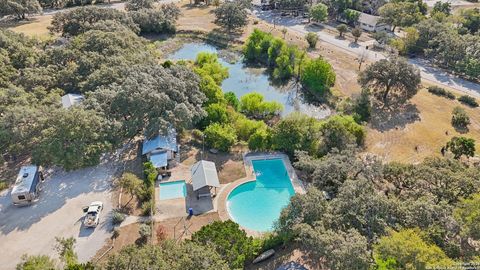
point(26, 187)
point(92, 218)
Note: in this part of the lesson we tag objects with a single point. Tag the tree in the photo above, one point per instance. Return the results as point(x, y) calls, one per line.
point(400, 14)
point(339, 131)
point(460, 146)
point(312, 39)
point(19, 8)
point(153, 21)
point(442, 7)
point(260, 140)
point(151, 98)
point(231, 15)
point(131, 184)
point(166, 255)
point(391, 79)
point(470, 19)
point(134, 5)
point(317, 75)
point(208, 64)
point(72, 139)
point(409, 251)
point(351, 16)
point(65, 249)
point(340, 250)
point(41, 262)
point(356, 33)
point(296, 132)
point(460, 119)
point(253, 105)
point(80, 20)
point(341, 28)
point(232, 100)
point(221, 137)
point(319, 12)
point(468, 215)
point(216, 113)
point(231, 242)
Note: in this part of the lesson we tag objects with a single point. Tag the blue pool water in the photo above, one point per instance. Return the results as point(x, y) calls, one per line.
point(257, 205)
point(172, 190)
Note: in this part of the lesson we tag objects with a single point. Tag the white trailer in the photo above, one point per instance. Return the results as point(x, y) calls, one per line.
point(26, 187)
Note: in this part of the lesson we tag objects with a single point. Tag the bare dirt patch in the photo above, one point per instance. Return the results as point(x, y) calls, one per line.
point(34, 26)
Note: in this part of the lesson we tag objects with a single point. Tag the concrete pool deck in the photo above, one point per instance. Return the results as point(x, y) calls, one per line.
point(297, 184)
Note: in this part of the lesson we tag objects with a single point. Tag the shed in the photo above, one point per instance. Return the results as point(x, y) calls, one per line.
point(371, 23)
point(161, 148)
point(204, 174)
point(70, 100)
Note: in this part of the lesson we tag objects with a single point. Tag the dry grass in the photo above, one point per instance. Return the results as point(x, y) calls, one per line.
point(427, 131)
point(174, 227)
point(35, 26)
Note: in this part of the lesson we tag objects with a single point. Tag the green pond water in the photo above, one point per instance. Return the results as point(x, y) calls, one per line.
point(243, 79)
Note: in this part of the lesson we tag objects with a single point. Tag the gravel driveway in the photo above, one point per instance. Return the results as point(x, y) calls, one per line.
point(58, 212)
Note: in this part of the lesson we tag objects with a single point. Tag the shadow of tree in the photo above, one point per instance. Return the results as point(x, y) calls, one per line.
point(395, 116)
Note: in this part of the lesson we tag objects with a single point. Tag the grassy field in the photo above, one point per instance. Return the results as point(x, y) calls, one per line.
point(35, 26)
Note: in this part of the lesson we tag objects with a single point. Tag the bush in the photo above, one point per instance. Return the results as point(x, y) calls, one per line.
point(145, 231)
point(439, 91)
point(148, 207)
point(117, 217)
point(216, 113)
point(468, 100)
point(253, 105)
point(318, 76)
point(221, 137)
point(460, 118)
point(339, 131)
point(232, 100)
point(3, 185)
point(260, 140)
point(197, 134)
point(312, 39)
point(150, 172)
point(161, 233)
point(152, 21)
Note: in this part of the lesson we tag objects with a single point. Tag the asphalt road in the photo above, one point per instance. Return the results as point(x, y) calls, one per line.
point(58, 212)
point(428, 72)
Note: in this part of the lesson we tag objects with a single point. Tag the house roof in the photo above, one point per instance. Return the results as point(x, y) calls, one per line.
point(204, 173)
point(159, 159)
point(161, 142)
point(368, 19)
point(69, 100)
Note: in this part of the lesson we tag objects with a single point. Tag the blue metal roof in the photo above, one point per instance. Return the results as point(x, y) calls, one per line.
point(159, 159)
point(161, 142)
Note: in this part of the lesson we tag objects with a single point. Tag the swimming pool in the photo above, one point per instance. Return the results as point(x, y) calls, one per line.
point(172, 190)
point(257, 205)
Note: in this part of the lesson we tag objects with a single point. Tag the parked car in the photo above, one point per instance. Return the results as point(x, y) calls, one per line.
point(92, 218)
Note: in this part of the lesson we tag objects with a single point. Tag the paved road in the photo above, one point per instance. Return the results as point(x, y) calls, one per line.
point(428, 72)
point(58, 212)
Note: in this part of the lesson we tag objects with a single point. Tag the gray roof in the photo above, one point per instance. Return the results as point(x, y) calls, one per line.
point(204, 173)
point(368, 19)
point(161, 142)
point(69, 100)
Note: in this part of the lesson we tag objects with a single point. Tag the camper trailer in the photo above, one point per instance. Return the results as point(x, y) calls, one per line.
point(25, 190)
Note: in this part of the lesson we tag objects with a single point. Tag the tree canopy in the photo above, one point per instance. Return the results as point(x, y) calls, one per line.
point(231, 15)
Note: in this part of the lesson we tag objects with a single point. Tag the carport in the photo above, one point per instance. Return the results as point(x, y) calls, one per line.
point(204, 178)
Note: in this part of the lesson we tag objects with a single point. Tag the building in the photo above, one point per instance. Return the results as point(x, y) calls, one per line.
point(161, 149)
point(204, 178)
point(70, 100)
point(371, 23)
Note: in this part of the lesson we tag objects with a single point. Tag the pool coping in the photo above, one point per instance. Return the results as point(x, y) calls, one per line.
point(297, 184)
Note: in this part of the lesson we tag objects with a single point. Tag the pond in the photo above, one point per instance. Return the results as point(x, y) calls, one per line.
point(243, 80)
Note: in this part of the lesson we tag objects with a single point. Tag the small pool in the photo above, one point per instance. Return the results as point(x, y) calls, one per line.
point(172, 190)
point(257, 205)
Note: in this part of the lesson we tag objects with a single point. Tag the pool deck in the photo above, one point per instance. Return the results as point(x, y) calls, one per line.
point(247, 160)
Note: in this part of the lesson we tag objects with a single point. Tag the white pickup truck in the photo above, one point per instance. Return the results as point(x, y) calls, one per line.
point(92, 218)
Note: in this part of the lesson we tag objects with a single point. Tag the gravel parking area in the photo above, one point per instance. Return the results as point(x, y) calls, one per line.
point(58, 212)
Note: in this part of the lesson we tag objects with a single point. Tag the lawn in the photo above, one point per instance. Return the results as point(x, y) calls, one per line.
point(34, 26)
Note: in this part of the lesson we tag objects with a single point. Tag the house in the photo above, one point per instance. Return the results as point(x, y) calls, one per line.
point(371, 23)
point(70, 100)
point(161, 149)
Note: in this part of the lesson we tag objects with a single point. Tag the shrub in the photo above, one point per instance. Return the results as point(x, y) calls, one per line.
point(145, 231)
point(341, 28)
point(232, 100)
point(148, 207)
point(150, 172)
point(460, 118)
point(216, 113)
point(318, 75)
point(468, 100)
point(312, 39)
point(197, 134)
point(339, 131)
point(439, 91)
point(260, 140)
point(3, 185)
point(221, 137)
point(161, 233)
point(117, 217)
point(253, 105)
